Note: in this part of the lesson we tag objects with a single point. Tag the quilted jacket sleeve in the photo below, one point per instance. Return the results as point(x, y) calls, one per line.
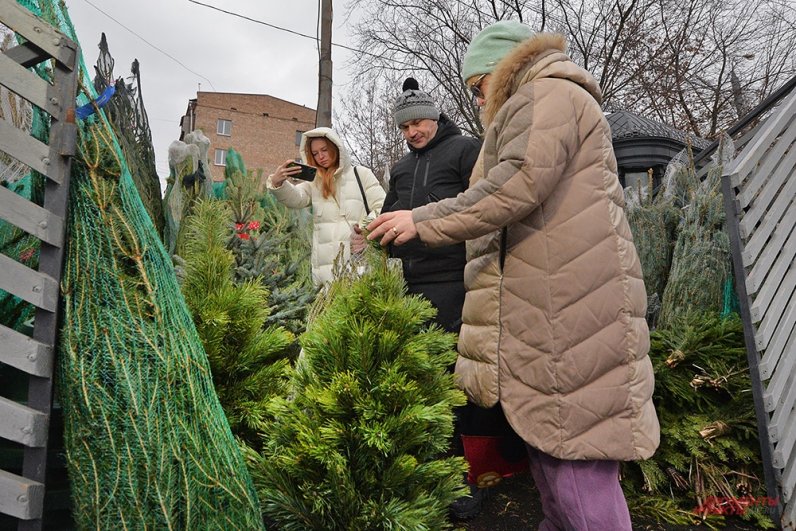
point(530, 142)
point(292, 195)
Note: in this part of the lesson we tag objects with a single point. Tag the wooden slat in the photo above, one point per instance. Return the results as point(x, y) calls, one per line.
point(768, 164)
point(775, 260)
point(773, 300)
point(780, 342)
point(778, 316)
point(788, 480)
point(779, 389)
point(26, 149)
point(49, 39)
point(780, 398)
point(28, 85)
point(20, 497)
point(25, 353)
point(740, 143)
point(772, 189)
point(783, 453)
point(788, 520)
point(65, 142)
point(770, 220)
point(23, 424)
point(32, 286)
point(27, 54)
point(748, 159)
point(767, 328)
point(31, 218)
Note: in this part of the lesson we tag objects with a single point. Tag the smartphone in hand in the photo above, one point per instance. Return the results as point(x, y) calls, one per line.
point(307, 172)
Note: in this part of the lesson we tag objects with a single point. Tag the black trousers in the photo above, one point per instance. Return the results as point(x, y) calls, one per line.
point(448, 298)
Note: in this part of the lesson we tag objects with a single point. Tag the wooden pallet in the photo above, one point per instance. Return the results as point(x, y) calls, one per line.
point(759, 189)
point(26, 422)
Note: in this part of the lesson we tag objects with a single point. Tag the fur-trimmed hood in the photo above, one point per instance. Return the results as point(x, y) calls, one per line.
point(543, 55)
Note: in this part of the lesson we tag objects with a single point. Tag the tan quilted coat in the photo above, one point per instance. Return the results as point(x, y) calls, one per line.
point(557, 335)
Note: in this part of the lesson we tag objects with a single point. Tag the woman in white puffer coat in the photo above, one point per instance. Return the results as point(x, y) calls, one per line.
point(335, 196)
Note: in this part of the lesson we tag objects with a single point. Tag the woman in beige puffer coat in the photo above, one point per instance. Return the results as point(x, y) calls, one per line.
point(335, 196)
point(554, 316)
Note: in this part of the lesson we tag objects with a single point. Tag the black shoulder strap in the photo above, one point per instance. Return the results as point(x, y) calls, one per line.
point(362, 190)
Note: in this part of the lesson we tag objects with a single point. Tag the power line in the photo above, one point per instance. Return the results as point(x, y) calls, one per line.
point(280, 28)
point(150, 44)
point(316, 39)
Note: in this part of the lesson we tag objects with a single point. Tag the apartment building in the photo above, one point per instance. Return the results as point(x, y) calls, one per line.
point(265, 130)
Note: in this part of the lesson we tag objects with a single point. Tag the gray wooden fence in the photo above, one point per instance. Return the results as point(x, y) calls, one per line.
point(760, 196)
point(26, 422)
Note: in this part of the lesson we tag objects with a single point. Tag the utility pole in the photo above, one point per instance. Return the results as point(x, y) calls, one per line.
point(323, 117)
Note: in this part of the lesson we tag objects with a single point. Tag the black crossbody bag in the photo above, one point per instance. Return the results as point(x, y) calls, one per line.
point(362, 190)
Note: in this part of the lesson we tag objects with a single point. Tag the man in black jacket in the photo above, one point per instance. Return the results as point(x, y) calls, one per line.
point(438, 166)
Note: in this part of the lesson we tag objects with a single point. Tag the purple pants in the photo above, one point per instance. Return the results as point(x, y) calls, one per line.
point(579, 495)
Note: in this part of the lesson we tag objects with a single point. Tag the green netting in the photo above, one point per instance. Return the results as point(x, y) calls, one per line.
point(220, 189)
point(147, 443)
point(731, 303)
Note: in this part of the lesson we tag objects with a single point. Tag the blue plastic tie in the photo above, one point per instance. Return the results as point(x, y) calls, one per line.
point(84, 111)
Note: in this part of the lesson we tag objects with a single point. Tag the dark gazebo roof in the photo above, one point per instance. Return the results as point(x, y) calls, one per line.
point(642, 143)
point(626, 125)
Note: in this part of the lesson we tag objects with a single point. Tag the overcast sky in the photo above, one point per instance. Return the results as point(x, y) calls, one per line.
point(181, 45)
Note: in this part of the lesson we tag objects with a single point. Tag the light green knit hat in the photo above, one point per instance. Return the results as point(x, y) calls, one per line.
point(491, 45)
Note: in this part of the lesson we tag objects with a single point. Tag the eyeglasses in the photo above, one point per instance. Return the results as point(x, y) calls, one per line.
point(475, 88)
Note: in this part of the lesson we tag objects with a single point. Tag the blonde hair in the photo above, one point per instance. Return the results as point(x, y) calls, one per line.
point(326, 180)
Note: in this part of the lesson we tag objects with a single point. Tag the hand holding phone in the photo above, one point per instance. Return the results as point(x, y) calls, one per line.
point(291, 169)
point(307, 173)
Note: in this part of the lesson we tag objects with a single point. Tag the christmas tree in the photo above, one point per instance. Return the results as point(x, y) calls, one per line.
point(247, 357)
point(708, 465)
point(359, 443)
point(273, 246)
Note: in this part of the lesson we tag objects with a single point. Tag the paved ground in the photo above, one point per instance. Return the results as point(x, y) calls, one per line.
point(512, 505)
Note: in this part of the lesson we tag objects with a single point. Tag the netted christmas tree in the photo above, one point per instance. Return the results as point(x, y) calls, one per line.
point(359, 444)
point(652, 221)
point(701, 267)
point(708, 465)
point(189, 180)
point(127, 115)
point(147, 443)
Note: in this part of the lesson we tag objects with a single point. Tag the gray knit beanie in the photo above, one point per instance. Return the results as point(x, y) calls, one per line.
point(414, 104)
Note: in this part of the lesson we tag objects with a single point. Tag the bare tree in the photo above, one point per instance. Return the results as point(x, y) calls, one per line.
point(718, 58)
point(694, 64)
point(368, 130)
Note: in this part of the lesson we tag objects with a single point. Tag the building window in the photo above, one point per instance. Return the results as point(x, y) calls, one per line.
point(224, 127)
point(221, 157)
point(298, 137)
